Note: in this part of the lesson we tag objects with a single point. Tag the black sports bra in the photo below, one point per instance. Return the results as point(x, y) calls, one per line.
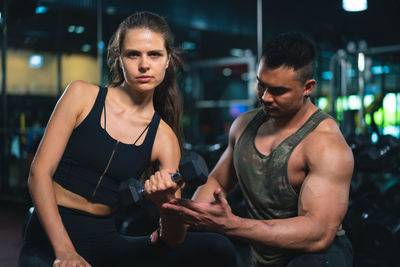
point(94, 164)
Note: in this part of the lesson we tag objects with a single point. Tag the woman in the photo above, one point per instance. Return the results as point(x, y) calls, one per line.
point(97, 137)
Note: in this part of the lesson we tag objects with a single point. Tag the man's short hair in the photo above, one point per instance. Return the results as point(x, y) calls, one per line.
point(292, 50)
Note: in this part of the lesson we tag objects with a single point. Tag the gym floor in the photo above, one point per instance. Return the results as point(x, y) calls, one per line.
point(12, 218)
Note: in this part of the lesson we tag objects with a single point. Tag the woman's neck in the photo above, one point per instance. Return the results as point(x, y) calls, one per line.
point(141, 103)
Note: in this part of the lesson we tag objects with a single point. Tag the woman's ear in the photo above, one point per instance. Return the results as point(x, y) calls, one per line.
point(169, 58)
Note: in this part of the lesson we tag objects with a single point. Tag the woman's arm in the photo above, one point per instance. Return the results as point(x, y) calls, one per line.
point(65, 117)
point(160, 187)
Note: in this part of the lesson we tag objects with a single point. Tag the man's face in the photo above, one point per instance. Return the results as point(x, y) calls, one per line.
point(280, 91)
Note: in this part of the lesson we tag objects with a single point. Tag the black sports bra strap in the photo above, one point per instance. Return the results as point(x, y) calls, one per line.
point(148, 125)
point(99, 104)
point(153, 126)
point(105, 121)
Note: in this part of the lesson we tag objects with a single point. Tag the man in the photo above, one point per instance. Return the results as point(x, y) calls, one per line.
point(292, 164)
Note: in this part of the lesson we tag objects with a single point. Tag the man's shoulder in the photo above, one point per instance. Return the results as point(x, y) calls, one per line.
point(243, 120)
point(326, 137)
point(246, 117)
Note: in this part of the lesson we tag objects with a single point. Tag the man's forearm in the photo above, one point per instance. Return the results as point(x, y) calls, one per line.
point(293, 233)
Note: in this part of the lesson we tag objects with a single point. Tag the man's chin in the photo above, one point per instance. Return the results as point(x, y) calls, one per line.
point(271, 112)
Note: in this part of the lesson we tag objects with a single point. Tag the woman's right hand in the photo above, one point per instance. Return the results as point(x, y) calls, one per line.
point(160, 187)
point(70, 258)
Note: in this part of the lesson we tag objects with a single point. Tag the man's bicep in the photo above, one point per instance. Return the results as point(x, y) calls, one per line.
point(325, 191)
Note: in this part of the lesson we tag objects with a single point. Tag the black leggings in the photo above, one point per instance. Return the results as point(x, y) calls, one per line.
point(96, 239)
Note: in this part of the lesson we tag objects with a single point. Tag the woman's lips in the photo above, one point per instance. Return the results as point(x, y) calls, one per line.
point(144, 79)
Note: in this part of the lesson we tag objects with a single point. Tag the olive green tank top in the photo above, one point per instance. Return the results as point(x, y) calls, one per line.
point(264, 181)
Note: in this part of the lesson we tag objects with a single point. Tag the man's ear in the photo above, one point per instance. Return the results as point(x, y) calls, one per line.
point(309, 87)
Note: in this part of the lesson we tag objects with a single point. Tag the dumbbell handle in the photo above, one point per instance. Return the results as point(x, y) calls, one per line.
point(176, 177)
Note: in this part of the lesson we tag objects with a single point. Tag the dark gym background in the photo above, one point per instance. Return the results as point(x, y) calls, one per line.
point(45, 44)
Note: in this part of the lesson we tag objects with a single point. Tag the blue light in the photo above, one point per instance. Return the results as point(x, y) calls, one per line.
point(378, 70)
point(236, 109)
point(374, 138)
point(101, 46)
point(35, 61)
point(327, 75)
point(41, 9)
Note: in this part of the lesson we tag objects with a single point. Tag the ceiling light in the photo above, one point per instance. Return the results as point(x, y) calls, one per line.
point(355, 5)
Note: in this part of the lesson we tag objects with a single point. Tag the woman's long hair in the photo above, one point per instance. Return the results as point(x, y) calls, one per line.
point(166, 99)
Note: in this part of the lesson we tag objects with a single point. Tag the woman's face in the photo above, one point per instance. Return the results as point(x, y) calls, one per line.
point(144, 59)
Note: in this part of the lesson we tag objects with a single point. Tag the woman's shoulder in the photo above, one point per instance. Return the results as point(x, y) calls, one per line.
point(82, 88)
point(81, 92)
point(165, 132)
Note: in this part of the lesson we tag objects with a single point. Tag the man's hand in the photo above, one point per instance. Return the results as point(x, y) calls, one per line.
point(216, 216)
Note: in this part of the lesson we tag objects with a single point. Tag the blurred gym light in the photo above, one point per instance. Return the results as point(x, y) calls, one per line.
point(86, 47)
point(322, 103)
point(111, 10)
point(236, 109)
point(361, 61)
point(100, 46)
point(188, 46)
point(71, 28)
point(35, 61)
point(227, 72)
point(327, 75)
point(79, 29)
point(392, 130)
point(368, 99)
point(355, 5)
point(374, 137)
point(41, 9)
point(389, 102)
point(237, 52)
point(354, 102)
point(377, 70)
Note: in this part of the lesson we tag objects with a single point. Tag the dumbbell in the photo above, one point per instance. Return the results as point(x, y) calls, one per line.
point(192, 170)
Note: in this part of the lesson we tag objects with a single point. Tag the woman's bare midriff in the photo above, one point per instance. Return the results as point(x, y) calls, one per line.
point(69, 199)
